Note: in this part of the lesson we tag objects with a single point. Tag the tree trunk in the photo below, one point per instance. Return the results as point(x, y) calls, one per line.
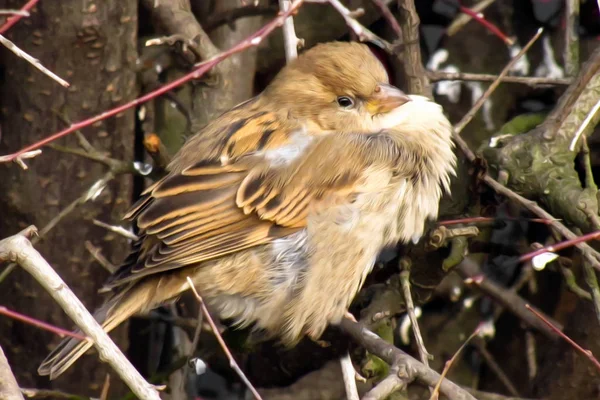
point(93, 46)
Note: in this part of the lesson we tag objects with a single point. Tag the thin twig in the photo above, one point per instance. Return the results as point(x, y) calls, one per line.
point(448, 364)
point(592, 281)
point(410, 368)
point(290, 40)
point(117, 229)
point(495, 367)
point(105, 388)
point(363, 33)
point(436, 76)
point(530, 354)
point(410, 308)
point(476, 220)
point(586, 353)
point(232, 363)
point(19, 159)
point(214, 20)
point(200, 69)
point(33, 61)
point(97, 254)
point(82, 199)
point(588, 252)
point(560, 246)
point(471, 272)
point(390, 384)
point(157, 150)
point(469, 116)
point(582, 128)
point(19, 249)
point(14, 19)
point(389, 17)
point(32, 393)
point(349, 377)
point(40, 324)
point(14, 12)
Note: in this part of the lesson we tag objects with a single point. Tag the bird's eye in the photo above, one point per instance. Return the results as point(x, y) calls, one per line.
point(345, 102)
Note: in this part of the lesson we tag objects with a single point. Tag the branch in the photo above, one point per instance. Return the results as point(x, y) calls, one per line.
point(436, 76)
point(587, 353)
point(469, 116)
point(448, 364)
point(176, 18)
point(560, 246)
point(157, 150)
point(290, 40)
point(9, 388)
point(32, 393)
point(18, 248)
point(576, 110)
point(495, 367)
point(363, 33)
point(410, 369)
point(32, 60)
point(470, 271)
point(88, 194)
point(411, 56)
point(410, 308)
point(200, 69)
point(572, 38)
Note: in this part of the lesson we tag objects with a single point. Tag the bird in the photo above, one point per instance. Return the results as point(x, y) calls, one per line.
point(277, 210)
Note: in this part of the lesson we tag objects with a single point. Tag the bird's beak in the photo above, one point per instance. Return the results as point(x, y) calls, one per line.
point(385, 99)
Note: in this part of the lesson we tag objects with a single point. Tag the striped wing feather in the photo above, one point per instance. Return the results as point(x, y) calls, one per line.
point(209, 210)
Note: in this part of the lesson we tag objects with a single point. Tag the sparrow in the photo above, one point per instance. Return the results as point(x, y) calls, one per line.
point(278, 208)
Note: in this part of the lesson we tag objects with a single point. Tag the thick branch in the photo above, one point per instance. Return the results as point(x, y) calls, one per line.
point(176, 18)
point(18, 248)
point(413, 369)
point(417, 80)
point(9, 389)
point(533, 81)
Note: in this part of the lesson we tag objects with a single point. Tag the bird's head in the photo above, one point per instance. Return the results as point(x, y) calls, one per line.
point(339, 86)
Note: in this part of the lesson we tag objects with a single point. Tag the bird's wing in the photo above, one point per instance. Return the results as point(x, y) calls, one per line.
point(210, 210)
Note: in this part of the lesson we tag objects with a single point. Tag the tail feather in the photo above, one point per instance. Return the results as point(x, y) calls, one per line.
point(136, 298)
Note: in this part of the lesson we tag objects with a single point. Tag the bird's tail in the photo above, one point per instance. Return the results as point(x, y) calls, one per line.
point(139, 297)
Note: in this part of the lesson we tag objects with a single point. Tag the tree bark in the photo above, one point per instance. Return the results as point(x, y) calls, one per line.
point(93, 46)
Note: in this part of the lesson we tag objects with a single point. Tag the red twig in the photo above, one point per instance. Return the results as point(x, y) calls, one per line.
point(389, 17)
point(491, 27)
point(40, 324)
point(577, 347)
point(560, 246)
point(200, 69)
point(15, 18)
point(474, 220)
point(232, 363)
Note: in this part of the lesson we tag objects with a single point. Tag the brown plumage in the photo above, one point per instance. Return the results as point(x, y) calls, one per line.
point(277, 209)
